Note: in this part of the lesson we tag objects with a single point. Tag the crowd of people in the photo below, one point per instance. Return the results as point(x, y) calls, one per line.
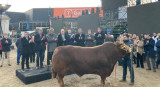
point(144, 48)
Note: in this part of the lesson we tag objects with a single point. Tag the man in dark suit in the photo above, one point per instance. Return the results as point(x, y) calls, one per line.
point(150, 52)
point(69, 38)
point(61, 38)
point(80, 38)
point(89, 39)
point(99, 37)
point(40, 40)
point(25, 50)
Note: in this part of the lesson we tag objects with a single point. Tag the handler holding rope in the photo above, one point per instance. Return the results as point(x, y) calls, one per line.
point(128, 62)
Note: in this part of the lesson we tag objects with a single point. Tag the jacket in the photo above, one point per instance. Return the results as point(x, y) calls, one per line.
point(138, 47)
point(89, 42)
point(80, 39)
point(32, 46)
point(25, 45)
point(6, 46)
point(99, 40)
point(52, 43)
point(40, 44)
point(149, 48)
point(70, 39)
point(128, 43)
point(19, 45)
point(60, 41)
point(158, 46)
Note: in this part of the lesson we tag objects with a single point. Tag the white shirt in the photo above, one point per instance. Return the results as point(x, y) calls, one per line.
point(155, 39)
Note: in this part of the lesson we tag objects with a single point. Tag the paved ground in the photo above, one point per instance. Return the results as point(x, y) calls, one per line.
point(143, 78)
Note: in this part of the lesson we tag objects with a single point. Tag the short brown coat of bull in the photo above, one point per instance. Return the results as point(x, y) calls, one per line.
point(98, 60)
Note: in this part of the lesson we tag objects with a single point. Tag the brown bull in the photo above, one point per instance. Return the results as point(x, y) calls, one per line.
point(98, 60)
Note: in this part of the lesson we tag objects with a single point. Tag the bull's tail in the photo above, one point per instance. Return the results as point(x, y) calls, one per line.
point(53, 73)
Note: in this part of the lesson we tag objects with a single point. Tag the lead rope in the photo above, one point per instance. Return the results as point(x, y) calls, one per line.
point(115, 72)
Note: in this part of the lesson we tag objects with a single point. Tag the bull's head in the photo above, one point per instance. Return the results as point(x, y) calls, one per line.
point(124, 49)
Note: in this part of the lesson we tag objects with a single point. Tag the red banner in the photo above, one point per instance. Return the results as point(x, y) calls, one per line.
point(74, 12)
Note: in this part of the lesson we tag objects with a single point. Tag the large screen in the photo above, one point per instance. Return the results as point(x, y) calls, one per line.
point(144, 18)
point(88, 22)
point(112, 4)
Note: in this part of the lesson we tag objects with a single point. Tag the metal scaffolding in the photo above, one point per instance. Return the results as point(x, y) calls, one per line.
point(114, 17)
point(118, 16)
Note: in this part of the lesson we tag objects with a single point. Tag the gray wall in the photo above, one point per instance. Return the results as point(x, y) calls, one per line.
point(35, 14)
point(29, 15)
point(89, 22)
point(16, 17)
point(42, 14)
point(144, 18)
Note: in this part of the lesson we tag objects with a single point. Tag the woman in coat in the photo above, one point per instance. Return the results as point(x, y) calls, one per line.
point(138, 43)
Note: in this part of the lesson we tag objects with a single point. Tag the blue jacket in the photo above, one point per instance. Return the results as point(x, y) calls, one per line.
point(128, 43)
point(158, 46)
point(99, 40)
point(19, 45)
point(150, 48)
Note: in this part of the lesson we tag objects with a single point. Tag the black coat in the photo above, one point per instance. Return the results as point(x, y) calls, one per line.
point(69, 39)
point(150, 48)
point(32, 46)
point(40, 44)
point(99, 40)
point(158, 46)
point(6, 46)
point(80, 39)
point(25, 45)
point(60, 41)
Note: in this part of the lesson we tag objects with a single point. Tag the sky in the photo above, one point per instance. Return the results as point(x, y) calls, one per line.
point(24, 5)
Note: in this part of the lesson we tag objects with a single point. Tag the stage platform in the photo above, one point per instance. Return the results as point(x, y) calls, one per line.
point(33, 75)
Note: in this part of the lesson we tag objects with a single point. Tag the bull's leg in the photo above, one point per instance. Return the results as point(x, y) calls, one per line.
point(103, 78)
point(60, 80)
point(60, 76)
